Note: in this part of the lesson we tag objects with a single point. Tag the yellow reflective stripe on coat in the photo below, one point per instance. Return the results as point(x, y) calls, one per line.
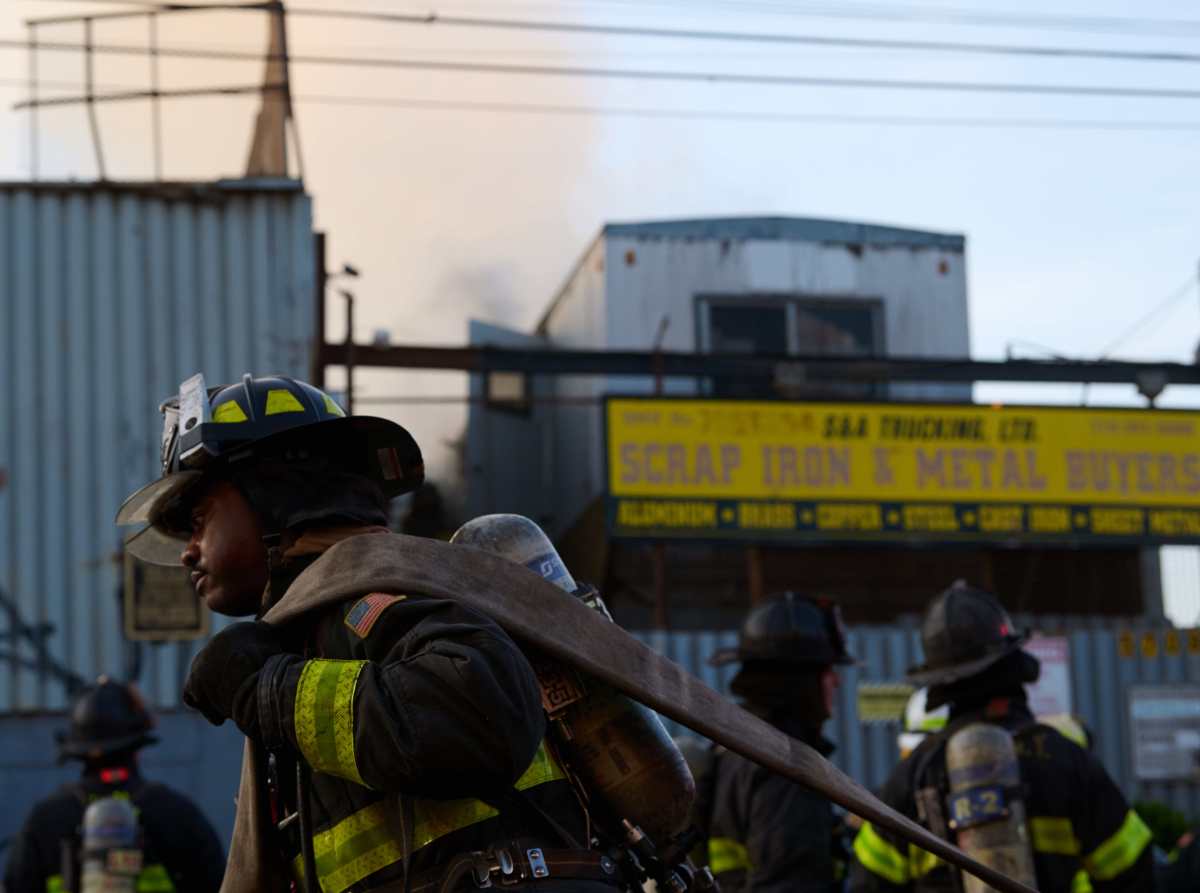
point(1053, 834)
point(153, 879)
point(880, 857)
point(369, 840)
point(921, 862)
point(726, 854)
point(324, 716)
point(1120, 851)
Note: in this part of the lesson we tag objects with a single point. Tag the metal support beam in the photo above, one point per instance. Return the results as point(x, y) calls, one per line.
point(786, 370)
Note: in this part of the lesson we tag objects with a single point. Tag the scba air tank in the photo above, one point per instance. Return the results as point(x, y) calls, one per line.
point(617, 747)
point(985, 806)
point(112, 854)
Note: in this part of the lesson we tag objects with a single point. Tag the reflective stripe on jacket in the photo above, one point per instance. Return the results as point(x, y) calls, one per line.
point(402, 697)
point(1084, 835)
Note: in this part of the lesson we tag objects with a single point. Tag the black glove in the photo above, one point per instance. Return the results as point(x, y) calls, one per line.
point(222, 683)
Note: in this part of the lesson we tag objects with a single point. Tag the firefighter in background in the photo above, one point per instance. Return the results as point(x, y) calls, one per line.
point(1083, 834)
point(766, 833)
point(108, 727)
point(394, 737)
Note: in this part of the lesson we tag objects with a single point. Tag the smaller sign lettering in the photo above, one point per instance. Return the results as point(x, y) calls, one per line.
point(160, 604)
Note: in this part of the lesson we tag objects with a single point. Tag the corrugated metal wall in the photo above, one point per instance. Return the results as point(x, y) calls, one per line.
point(1105, 664)
point(111, 295)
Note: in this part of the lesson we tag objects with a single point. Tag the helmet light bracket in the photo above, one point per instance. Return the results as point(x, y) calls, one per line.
point(194, 411)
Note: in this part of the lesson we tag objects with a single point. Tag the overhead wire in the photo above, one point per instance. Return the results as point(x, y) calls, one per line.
point(933, 15)
point(659, 75)
point(438, 19)
point(668, 113)
point(848, 10)
point(615, 30)
point(1141, 322)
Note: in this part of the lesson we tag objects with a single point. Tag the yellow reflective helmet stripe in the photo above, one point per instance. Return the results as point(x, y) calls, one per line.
point(921, 862)
point(332, 408)
point(324, 716)
point(1120, 851)
point(367, 841)
point(726, 854)
point(280, 400)
point(229, 411)
point(1081, 883)
point(1053, 834)
point(880, 857)
point(154, 879)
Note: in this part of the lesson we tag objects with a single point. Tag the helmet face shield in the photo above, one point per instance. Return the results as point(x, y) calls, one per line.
point(162, 540)
point(146, 506)
point(153, 546)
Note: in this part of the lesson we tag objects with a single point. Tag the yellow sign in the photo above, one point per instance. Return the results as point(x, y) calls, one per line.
point(697, 467)
point(882, 702)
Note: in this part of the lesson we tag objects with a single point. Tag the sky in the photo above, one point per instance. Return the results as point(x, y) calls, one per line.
point(1075, 232)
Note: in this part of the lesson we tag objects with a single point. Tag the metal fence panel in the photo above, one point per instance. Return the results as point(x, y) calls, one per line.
point(110, 295)
point(1105, 663)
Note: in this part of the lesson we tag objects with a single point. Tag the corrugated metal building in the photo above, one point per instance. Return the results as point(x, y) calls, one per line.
point(110, 295)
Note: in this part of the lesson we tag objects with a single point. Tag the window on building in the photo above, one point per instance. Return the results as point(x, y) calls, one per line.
point(843, 328)
point(754, 329)
point(792, 325)
point(751, 328)
point(508, 391)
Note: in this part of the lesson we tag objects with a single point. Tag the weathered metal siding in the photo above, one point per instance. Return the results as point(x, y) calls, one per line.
point(1101, 678)
point(111, 295)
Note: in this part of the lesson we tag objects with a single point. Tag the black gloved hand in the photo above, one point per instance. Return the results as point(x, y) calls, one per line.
point(222, 683)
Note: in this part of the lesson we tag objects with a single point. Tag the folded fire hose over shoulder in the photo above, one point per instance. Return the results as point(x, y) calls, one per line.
point(536, 611)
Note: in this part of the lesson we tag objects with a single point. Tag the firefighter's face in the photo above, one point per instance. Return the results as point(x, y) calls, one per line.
point(829, 687)
point(225, 551)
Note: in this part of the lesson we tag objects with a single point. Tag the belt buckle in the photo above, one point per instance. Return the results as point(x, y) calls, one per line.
point(537, 862)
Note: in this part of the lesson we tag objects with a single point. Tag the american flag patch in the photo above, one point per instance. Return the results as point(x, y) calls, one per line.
point(366, 611)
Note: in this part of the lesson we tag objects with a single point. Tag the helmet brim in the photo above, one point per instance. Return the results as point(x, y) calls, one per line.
point(75, 749)
point(145, 504)
point(923, 674)
point(391, 455)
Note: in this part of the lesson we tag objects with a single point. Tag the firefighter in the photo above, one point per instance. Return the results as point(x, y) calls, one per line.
point(395, 737)
point(766, 833)
point(108, 726)
point(1082, 832)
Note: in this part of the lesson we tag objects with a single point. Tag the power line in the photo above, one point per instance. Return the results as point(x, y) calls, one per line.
point(749, 37)
point(667, 113)
point(659, 75)
point(1140, 323)
point(437, 19)
point(841, 10)
point(720, 114)
point(940, 15)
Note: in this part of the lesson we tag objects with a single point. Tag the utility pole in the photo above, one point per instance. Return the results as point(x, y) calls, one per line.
point(349, 297)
